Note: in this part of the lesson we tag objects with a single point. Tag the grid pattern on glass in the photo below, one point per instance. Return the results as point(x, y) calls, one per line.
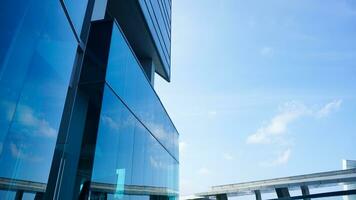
point(126, 77)
point(126, 153)
point(157, 14)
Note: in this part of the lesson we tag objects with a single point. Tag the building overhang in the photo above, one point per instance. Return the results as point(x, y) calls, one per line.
point(129, 15)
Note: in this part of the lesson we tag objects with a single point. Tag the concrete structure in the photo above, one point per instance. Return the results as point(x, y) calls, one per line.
point(349, 164)
point(282, 186)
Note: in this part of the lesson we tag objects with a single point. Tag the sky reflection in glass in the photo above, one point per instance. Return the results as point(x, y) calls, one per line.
point(36, 58)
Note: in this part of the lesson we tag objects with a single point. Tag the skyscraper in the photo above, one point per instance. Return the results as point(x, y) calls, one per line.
point(79, 116)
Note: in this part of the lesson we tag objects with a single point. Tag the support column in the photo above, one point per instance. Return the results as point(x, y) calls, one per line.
point(39, 196)
point(149, 69)
point(19, 195)
point(258, 195)
point(158, 197)
point(282, 192)
point(221, 197)
point(74, 152)
point(305, 191)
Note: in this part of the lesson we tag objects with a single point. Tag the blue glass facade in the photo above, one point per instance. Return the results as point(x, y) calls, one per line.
point(158, 17)
point(130, 83)
point(138, 155)
point(76, 11)
point(112, 132)
point(134, 127)
point(37, 55)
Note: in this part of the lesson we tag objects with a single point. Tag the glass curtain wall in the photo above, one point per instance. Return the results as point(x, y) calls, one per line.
point(37, 53)
point(137, 144)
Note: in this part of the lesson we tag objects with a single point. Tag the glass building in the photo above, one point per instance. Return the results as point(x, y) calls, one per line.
point(79, 115)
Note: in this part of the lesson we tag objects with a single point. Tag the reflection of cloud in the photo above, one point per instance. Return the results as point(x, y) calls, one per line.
point(110, 122)
point(158, 163)
point(162, 133)
point(155, 163)
point(283, 158)
point(19, 154)
point(33, 123)
point(119, 124)
point(228, 156)
point(8, 108)
point(204, 171)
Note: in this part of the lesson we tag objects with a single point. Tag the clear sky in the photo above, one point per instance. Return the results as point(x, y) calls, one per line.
point(261, 89)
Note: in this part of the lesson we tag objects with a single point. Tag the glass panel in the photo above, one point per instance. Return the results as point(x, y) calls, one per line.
point(7, 194)
point(28, 196)
point(114, 148)
point(154, 26)
point(76, 10)
point(128, 80)
point(126, 152)
point(36, 58)
point(138, 156)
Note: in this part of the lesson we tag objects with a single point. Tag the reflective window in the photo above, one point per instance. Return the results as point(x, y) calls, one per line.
point(114, 147)
point(7, 194)
point(153, 11)
point(36, 58)
point(128, 80)
point(76, 10)
point(127, 154)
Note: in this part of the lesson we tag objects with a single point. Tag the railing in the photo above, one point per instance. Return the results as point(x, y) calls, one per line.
point(23, 186)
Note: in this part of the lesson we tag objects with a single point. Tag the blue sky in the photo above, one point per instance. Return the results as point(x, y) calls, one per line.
point(261, 89)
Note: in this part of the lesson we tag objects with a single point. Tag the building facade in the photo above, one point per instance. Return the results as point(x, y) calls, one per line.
point(79, 116)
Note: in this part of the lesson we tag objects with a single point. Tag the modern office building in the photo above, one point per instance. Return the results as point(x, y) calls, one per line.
point(79, 116)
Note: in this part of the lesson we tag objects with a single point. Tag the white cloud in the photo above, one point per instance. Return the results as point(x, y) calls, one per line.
point(228, 156)
point(329, 108)
point(267, 51)
point(290, 112)
point(278, 125)
point(275, 130)
point(204, 171)
point(282, 158)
